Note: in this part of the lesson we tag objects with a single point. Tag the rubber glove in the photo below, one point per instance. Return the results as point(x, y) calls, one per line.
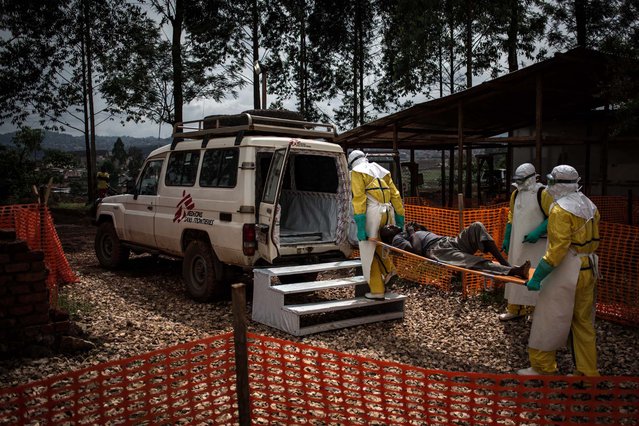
point(505, 246)
point(399, 220)
point(360, 220)
point(543, 269)
point(533, 236)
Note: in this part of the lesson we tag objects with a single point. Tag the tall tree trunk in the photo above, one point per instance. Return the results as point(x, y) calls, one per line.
point(513, 36)
point(176, 59)
point(469, 43)
point(441, 70)
point(356, 62)
point(360, 42)
point(91, 167)
point(303, 85)
point(256, 57)
point(451, 55)
point(91, 177)
point(580, 21)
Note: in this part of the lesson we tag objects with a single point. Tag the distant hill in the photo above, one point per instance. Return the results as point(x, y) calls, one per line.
point(66, 142)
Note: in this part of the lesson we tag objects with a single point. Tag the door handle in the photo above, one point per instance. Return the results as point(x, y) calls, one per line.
point(149, 207)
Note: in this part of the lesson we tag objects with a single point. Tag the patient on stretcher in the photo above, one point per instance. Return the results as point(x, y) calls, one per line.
point(458, 251)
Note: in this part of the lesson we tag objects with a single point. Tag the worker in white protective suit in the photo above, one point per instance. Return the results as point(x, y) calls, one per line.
point(565, 278)
point(376, 202)
point(525, 236)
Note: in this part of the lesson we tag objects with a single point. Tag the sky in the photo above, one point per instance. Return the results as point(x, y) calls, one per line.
point(193, 111)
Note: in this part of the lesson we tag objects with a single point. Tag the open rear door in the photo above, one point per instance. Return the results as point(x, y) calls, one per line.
point(268, 229)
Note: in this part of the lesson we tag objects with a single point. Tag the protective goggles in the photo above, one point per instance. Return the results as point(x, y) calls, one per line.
point(519, 179)
point(553, 181)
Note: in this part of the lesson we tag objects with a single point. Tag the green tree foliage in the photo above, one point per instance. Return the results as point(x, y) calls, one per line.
point(136, 159)
point(201, 59)
point(118, 153)
point(610, 26)
point(76, 63)
point(295, 69)
point(416, 44)
point(28, 142)
point(345, 34)
point(58, 159)
point(20, 168)
point(58, 56)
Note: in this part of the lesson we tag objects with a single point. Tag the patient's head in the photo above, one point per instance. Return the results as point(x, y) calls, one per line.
point(388, 232)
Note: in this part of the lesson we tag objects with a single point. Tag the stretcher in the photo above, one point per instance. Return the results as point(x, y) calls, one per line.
point(486, 275)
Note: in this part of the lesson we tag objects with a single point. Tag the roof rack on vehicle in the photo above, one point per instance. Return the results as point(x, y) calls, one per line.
point(244, 123)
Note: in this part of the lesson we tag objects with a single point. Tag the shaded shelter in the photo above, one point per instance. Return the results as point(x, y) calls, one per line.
point(556, 102)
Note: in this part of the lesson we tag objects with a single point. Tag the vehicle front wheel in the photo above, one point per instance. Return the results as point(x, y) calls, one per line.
point(200, 270)
point(108, 248)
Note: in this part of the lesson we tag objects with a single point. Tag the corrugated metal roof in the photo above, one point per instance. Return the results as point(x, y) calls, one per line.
point(570, 87)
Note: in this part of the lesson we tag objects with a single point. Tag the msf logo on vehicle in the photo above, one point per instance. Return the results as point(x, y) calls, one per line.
point(185, 212)
point(185, 205)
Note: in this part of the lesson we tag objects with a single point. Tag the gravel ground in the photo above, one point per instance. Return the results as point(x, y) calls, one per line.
point(144, 307)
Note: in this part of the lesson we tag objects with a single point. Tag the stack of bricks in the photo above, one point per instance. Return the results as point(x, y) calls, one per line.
point(27, 322)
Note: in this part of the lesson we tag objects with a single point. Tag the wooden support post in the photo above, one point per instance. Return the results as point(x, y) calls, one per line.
point(538, 128)
point(443, 173)
point(469, 173)
point(460, 147)
point(241, 353)
point(451, 176)
point(509, 166)
point(630, 207)
point(413, 174)
point(604, 156)
point(460, 201)
point(479, 166)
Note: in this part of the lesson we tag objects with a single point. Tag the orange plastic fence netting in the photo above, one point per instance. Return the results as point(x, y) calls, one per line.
point(192, 383)
point(447, 222)
point(618, 287)
point(617, 209)
point(33, 224)
point(294, 383)
point(617, 290)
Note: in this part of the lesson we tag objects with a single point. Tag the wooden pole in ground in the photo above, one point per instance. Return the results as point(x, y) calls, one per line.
point(460, 202)
point(630, 207)
point(241, 353)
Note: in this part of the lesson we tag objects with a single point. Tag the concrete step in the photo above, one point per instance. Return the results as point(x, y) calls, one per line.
point(343, 304)
point(303, 269)
point(305, 287)
point(350, 322)
point(270, 308)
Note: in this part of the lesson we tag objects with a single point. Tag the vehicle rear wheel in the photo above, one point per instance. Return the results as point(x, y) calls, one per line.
point(108, 248)
point(200, 270)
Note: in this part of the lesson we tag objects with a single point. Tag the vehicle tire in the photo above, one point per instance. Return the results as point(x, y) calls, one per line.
point(108, 248)
point(200, 271)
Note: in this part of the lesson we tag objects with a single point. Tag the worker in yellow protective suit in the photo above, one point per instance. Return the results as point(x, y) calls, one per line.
point(566, 276)
point(525, 236)
point(376, 203)
point(103, 182)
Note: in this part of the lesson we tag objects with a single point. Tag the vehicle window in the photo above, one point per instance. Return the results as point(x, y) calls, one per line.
point(315, 173)
point(219, 168)
point(149, 178)
point(182, 168)
point(270, 189)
